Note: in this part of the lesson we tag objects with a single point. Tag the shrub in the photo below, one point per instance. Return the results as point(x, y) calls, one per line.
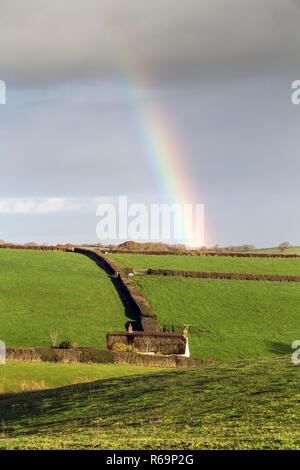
point(65, 345)
point(48, 355)
point(119, 347)
point(100, 356)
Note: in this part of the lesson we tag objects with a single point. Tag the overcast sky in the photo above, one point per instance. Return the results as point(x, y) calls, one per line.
point(219, 71)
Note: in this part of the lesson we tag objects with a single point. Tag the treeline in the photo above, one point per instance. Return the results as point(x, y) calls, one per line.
point(148, 246)
point(232, 248)
point(175, 248)
point(172, 248)
point(207, 253)
point(100, 356)
point(35, 246)
point(217, 275)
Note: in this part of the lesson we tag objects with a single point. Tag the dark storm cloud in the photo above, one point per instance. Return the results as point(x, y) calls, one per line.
point(219, 71)
point(58, 40)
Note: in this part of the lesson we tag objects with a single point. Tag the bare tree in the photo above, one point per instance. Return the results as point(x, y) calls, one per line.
point(54, 336)
point(147, 344)
point(284, 246)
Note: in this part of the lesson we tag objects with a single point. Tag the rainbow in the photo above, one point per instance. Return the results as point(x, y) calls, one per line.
point(161, 146)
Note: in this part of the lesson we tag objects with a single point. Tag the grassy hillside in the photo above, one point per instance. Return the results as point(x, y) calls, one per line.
point(292, 250)
point(229, 319)
point(243, 405)
point(16, 377)
point(210, 263)
point(41, 290)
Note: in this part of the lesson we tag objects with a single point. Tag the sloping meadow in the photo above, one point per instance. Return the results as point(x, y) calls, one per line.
point(240, 405)
point(42, 291)
point(227, 319)
point(234, 264)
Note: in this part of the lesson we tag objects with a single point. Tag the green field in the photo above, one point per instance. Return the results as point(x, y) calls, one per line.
point(210, 263)
point(241, 405)
point(18, 377)
point(252, 403)
point(292, 250)
point(42, 290)
point(229, 319)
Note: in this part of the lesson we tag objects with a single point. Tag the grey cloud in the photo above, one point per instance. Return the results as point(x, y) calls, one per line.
point(239, 138)
point(58, 40)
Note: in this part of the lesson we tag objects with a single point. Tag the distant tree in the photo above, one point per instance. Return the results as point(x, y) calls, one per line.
point(284, 246)
point(248, 247)
point(214, 248)
point(2, 242)
point(178, 247)
point(68, 246)
point(217, 248)
point(129, 245)
point(111, 246)
point(31, 244)
point(240, 248)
